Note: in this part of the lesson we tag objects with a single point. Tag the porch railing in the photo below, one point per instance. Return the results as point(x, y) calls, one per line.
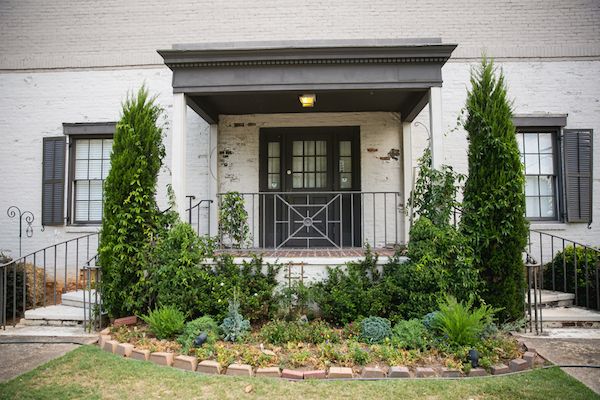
point(198, 215)
point(38, 279)
point(320, 219)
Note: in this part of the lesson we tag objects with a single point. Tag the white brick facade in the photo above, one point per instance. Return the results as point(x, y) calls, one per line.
point(77, 66)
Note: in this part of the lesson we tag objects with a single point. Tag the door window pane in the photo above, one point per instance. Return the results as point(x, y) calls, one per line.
point(273, 166)
point(309, 164)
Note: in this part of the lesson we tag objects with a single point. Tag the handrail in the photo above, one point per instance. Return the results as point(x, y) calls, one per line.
point(46, 248)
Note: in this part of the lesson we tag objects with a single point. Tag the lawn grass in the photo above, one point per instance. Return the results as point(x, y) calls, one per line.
point(89, 373)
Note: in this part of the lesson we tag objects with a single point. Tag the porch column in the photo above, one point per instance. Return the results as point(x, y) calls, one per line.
point(213, 187)
point(435, 126)
point(408, 174)
point(178, 153)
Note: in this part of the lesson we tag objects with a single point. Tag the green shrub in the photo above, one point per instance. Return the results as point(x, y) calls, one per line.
point(131, 218)
point(460, 323)
point(282, 332)
point(165, 322)
point(494, 197)
point(375, 329)
point(177, 275)
point(357, 354)
point(233, 219)
point(554, 273)
point(294, 300)
point(411, 334)
point(440, 263)
point(234, 326)
point(194, 328)
point(350, 293)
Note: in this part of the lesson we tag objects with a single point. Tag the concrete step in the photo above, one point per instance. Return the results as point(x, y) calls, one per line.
point(75, 298)
point(47, 334)
point(56, 315)
point(569, 317)
point(553, 299)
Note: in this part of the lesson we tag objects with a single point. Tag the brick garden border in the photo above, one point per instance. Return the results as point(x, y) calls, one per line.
point(190, 363)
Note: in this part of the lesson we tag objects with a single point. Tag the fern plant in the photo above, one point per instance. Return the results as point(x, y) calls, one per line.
point(375, 329)
point(460, 323)
point(165, 322)
point(234, 326)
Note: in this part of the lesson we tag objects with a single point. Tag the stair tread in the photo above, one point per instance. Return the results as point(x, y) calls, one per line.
point(77, 295)
point(57, 312)
point(550, 296)
point(570, 314)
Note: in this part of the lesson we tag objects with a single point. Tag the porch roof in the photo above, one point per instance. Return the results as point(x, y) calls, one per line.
point(346, 75)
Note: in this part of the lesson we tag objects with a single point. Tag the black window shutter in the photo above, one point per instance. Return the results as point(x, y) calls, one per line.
point(53, 177)
point(577, 156)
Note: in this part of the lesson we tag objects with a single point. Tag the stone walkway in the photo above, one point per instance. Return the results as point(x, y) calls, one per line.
point(571, 347)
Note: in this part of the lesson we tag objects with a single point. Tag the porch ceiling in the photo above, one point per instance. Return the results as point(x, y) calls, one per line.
point(346, 76)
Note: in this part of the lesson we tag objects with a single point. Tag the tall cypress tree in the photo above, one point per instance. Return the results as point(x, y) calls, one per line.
point(131, 216)
point(494, 199)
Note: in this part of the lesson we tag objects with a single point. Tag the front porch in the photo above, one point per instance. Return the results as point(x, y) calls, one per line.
point(336, 175)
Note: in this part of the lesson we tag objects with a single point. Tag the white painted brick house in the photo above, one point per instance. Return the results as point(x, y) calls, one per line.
point(390, 72)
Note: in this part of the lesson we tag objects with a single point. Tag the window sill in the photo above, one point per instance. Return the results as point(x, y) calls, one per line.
point(82, 228)
point(548, 226)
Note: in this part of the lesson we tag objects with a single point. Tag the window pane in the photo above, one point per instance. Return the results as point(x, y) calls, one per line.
point(309, 148)
point(533, 207)
point(82, 190)
point(345, 164)
point(95, 170)
point(81, 169)
point(546, 186)
point(273, 181)
point(95, 210)
point(321, 148)
point(297, 164)
point(345, 148)
point(273, 165)
point(322, 164)
point(96, 148)
point(345, 180)
point(545, 142)
point(81, 148)
point(107, 148)
point(547, 207)
point(531, 143)
point(321, 180)
point(273, 149)
point(546, 164)
point(297, 148)
point(95, 190)
point(531, 186)
point(309, 180)
point(105, 168)
point(297, 181)
point(81, 210)
point(532, 165)
point(309, 164)
point(520, 142)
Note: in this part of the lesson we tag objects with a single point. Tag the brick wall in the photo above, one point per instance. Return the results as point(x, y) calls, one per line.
point(69, 33)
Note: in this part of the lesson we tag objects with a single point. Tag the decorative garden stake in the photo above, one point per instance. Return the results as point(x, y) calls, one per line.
point(12, 212)
point(474, 358)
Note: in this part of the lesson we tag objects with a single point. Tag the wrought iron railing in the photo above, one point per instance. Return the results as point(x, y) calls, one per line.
point(319, 219)
point(567, 266)
point(38, 279)
point(198, 215)
point(92, 295)
point(533, 305)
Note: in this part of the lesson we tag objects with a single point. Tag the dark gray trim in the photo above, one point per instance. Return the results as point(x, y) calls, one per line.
point(205, 112)
point(416, 108)
point(540, 120)
point(89, 128)
point(296, 67)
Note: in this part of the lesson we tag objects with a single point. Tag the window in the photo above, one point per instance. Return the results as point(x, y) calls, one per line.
point(309, 164)
point(558, 168)
point(91, 163)
point(538, 155)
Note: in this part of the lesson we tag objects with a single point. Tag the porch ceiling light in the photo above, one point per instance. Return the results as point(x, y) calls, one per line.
point(308, 100)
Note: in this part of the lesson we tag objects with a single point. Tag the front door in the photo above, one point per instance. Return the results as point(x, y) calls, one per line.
point(310, 187)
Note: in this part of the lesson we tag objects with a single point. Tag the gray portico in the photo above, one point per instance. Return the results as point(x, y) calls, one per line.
point(226, 80)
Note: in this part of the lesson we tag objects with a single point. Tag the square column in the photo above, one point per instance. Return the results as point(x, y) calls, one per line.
point(213, 187)
point(407, 175)
point(178, 153)
point(435, 127)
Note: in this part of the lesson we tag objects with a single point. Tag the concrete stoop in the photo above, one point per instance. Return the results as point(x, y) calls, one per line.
point(56, 315)
point(569, 317)
point(551, 298)
point(75, 298)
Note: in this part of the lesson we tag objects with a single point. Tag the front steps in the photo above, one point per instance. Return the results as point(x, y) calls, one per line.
point(557, 311)
point(70, 313)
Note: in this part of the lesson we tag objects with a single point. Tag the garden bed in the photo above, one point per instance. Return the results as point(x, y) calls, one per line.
point(271, 350)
